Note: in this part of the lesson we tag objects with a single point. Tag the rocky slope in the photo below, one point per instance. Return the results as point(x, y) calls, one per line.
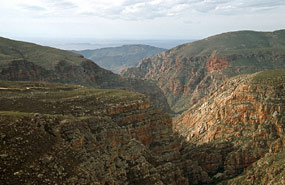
point(31, 62)
point(59, 134)
point(268, 170)
point(239, 124)
point(193, 70)
point(63, 134)
point(118, 58)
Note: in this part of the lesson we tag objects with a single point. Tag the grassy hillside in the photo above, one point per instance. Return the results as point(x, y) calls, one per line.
point(240, 42)
point(21, 61)
point(118, 58)
point(46, 97)
point(46, 57)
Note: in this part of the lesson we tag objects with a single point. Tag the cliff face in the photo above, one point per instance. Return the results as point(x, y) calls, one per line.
point(73, 135)
point(29, 62)
point(268, 170)
point(53, 133)
point(191, 71)
point(237, 125)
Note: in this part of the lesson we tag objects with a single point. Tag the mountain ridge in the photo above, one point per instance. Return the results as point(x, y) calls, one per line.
point(31, 62)
point(118, 58)
point(228, 136)
point(190, 71)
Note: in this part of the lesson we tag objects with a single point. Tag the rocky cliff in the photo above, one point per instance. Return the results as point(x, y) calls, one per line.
point(69, 134)
point(59, 134)
point(191, 71)
point(62, 134)
point(31, 62)
point(237, 129)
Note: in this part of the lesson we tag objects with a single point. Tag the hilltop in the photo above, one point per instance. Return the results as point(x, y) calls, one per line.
point(191, 71)
point(46, 57)
point(118, 58)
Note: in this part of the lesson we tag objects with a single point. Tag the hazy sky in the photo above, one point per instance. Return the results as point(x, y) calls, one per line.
point(137, 19)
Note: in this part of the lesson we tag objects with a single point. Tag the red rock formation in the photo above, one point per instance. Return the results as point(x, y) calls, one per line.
point(85, 136)
point(215, 63)
point(192, 71)
point(87, 73)
point(236, 125)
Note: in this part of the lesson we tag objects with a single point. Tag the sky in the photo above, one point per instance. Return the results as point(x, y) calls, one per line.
point(136, 19)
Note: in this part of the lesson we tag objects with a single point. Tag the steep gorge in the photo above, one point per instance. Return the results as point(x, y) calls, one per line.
point(237, 125)
point(59, 134)
point(69, 134)
point(54, 133)
point(191, 71)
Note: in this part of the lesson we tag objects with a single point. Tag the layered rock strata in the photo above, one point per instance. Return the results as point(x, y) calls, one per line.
point(237, 125)
point(192, 71)
point(74, 135)
point(59, 134)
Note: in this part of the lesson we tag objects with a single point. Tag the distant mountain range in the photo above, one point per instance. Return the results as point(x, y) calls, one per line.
point(190, 71)
point(118, 58)
point(91, 44)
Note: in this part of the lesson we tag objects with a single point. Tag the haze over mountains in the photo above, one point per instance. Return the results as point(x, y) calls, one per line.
point(92, 44)
point(118, 58)
point(228, 93)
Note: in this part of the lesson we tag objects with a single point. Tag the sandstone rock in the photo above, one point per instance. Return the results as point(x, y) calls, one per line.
point(236, 126)
point(192, 71)
point(121, 139)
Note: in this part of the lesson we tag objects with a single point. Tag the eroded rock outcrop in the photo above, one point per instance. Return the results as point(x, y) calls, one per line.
point(192, 71)
point(268, 170)
point(215, 63)
point(236, 125)
point(53, 133)
point(61, 135)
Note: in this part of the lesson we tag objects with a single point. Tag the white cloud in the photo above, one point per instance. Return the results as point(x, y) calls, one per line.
point(141, 9)
point(103, 18)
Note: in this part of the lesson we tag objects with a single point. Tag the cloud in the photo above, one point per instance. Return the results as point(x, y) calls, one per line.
point(146, 9)
point(32, 8)
point(263, 3)
point(60, 4)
